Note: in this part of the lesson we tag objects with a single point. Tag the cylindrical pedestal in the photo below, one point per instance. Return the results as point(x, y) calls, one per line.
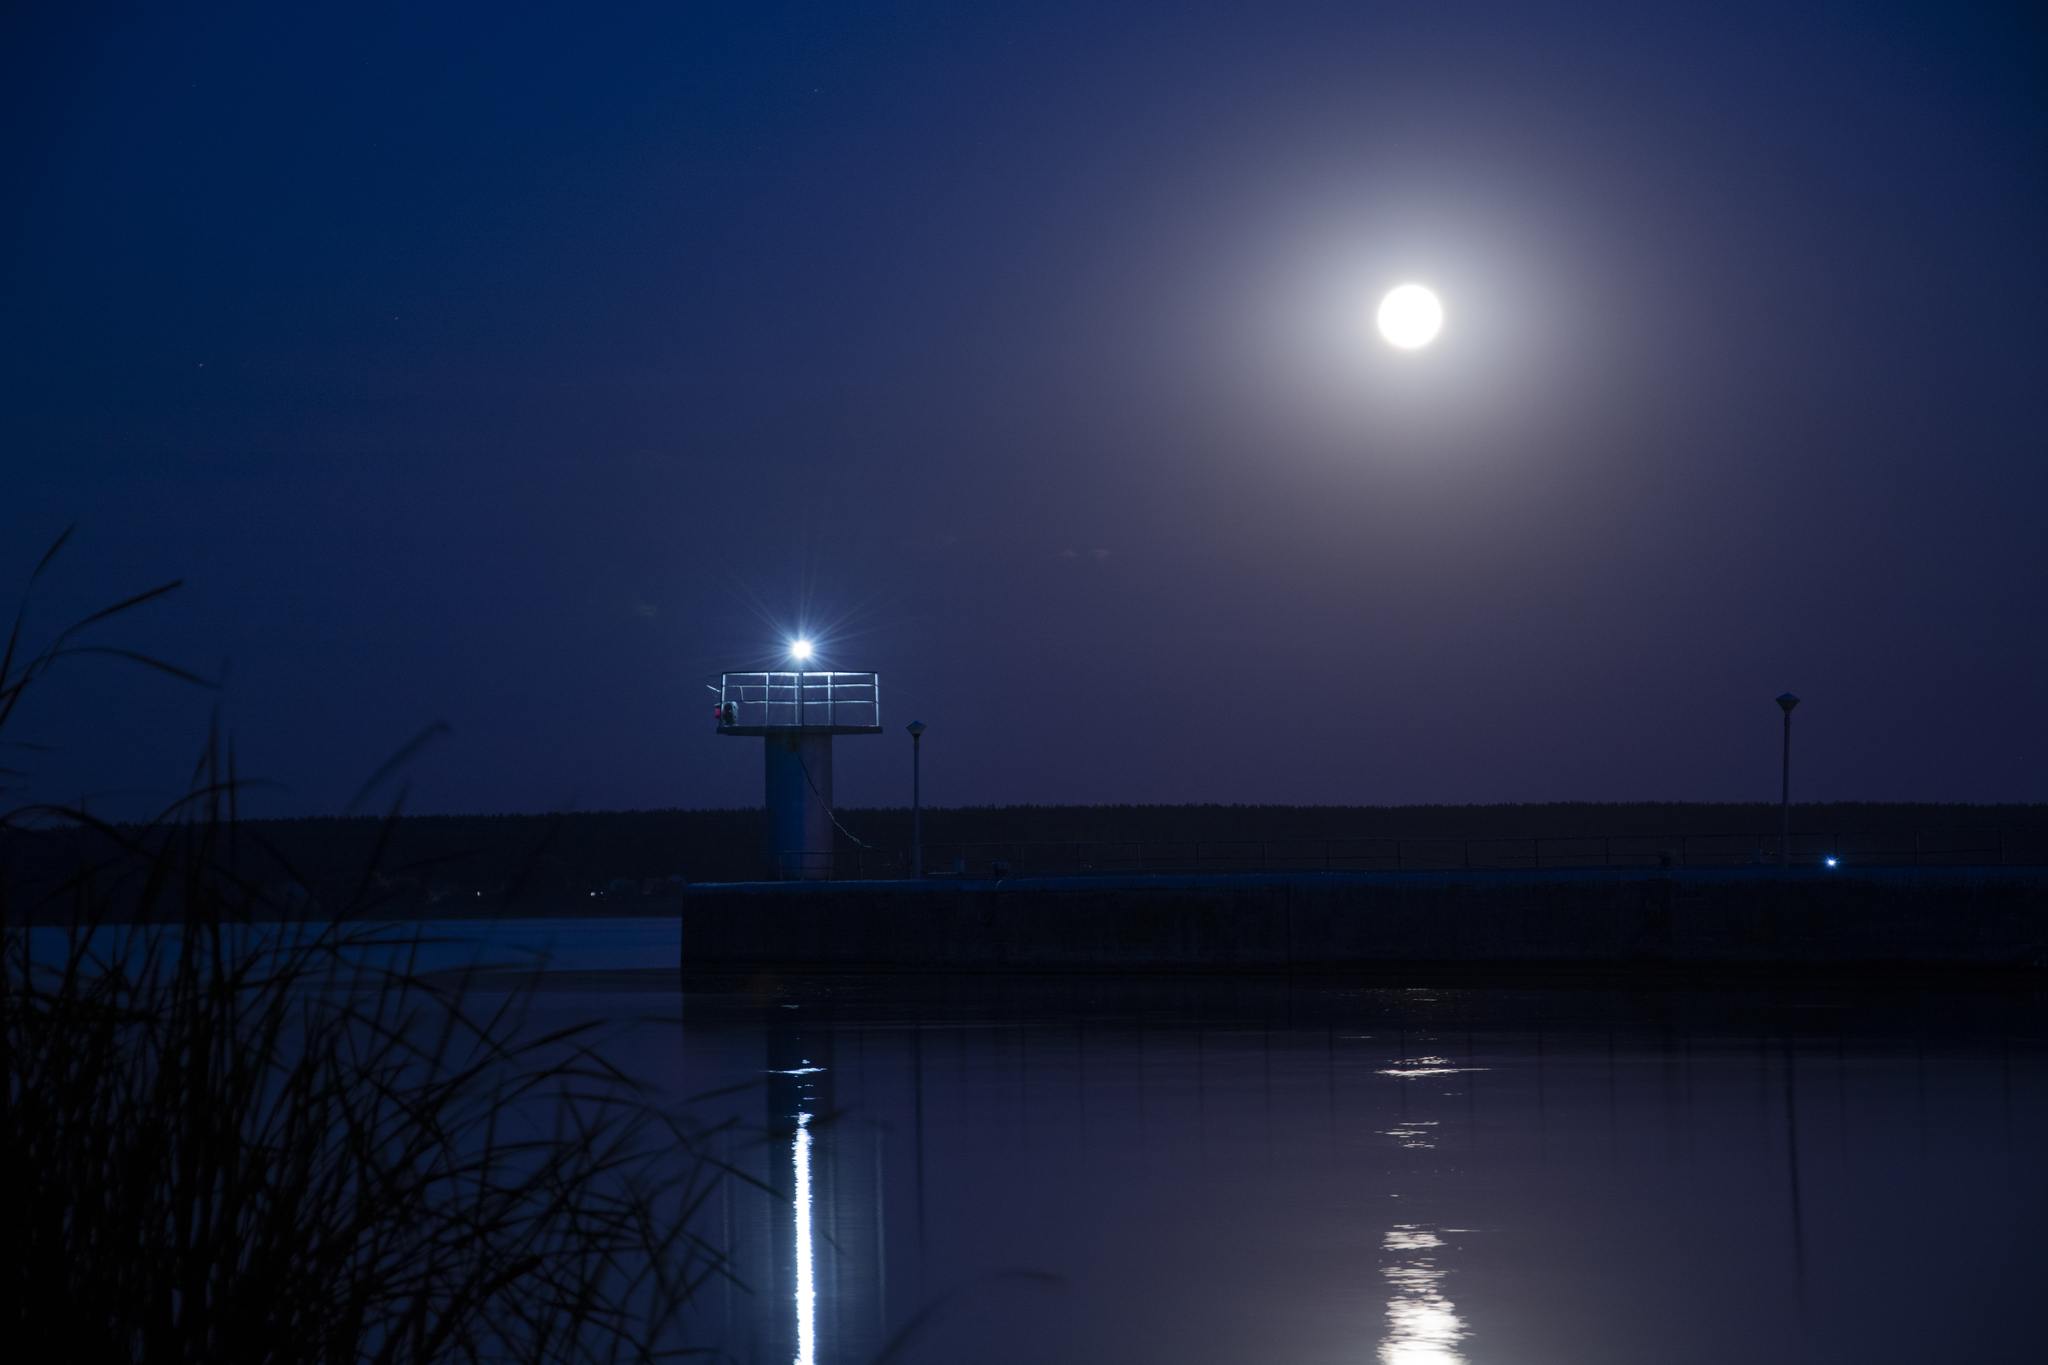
point(799, 805)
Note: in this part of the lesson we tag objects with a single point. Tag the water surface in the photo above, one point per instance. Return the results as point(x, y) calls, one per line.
point(1139, 1171)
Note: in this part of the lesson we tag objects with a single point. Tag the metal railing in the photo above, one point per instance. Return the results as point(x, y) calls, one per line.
point(790, 697)
point(1057, 858)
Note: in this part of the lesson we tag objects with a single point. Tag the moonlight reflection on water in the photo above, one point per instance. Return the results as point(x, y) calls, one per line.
point(1422, 1326)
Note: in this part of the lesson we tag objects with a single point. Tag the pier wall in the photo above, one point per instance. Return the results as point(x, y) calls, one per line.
point(1953, 917)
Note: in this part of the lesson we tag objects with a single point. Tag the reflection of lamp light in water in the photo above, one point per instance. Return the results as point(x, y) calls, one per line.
point(806, 1286)
point(1422, 1325)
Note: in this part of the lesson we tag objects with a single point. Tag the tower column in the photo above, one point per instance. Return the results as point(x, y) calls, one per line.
point(800, 832)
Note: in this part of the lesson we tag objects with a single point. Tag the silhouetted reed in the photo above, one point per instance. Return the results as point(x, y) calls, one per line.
point(233, 1133)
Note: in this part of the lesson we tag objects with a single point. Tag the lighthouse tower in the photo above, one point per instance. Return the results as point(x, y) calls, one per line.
point(796, 712)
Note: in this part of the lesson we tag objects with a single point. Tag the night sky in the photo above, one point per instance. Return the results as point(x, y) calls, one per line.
point(521, 366)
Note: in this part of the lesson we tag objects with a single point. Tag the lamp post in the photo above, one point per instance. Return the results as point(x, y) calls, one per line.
point(916, 729)
point(1786, 703)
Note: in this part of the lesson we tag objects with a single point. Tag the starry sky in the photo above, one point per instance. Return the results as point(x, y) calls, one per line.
point(520, 367)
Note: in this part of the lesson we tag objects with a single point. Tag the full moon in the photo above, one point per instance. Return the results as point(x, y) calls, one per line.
point(1410, 317)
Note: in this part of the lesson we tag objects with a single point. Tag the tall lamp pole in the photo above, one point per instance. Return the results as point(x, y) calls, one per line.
point(916, 729)
point(1786, 703)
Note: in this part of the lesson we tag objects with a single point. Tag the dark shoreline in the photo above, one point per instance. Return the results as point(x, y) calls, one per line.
point(623, 863)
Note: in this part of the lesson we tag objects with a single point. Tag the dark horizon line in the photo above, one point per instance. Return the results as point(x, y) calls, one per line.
point(2026, 806)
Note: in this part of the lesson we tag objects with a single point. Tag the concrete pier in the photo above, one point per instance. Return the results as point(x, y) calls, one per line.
point(1867, 917)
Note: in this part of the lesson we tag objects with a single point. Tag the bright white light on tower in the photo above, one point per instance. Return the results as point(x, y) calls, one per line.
point(1410, 316)
point(799, 650)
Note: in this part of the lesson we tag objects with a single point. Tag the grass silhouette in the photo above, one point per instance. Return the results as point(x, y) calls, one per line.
point(240, 1127)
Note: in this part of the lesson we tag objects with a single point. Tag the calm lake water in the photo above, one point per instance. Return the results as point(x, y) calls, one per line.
point(1136, 1171)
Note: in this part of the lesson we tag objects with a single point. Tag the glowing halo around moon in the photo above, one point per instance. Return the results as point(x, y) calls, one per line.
point(1410, 317)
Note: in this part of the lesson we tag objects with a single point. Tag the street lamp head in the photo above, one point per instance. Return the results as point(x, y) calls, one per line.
point(800, 650)
point(916, 728)
point(1788, 701)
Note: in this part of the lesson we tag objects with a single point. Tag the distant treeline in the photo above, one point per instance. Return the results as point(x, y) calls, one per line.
point(480, 864)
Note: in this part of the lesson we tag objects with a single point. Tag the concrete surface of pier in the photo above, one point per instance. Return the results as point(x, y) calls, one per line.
point(1829, 918)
